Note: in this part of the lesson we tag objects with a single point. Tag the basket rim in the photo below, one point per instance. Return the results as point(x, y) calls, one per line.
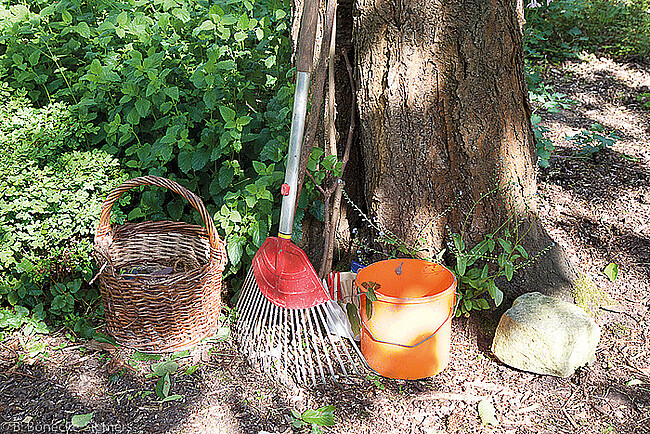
point(104, 232)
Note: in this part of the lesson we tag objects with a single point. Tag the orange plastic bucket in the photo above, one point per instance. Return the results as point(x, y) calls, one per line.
point(408, 334)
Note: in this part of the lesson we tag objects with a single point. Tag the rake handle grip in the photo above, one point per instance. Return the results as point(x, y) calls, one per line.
point(307, 36)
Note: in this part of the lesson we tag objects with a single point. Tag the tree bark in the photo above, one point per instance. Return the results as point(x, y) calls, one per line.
point(444, 119)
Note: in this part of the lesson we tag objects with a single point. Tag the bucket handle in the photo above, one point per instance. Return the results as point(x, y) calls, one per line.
point(452, 313)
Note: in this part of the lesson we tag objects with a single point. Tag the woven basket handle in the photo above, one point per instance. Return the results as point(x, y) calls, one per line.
point(104, 227)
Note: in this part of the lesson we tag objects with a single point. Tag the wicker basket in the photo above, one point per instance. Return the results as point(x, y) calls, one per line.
point(160, 281)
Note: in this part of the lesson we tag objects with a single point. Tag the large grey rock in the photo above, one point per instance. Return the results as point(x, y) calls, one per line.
point(545, 335)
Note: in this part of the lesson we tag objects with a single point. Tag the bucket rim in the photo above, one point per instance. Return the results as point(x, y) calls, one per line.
point(407, 300)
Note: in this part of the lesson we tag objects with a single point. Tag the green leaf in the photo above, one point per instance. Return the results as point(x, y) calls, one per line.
point(81, 420)
point(227, 113)
point(122, 18)
point(259, 167)
point(135, 213)
point(143, 106)
point(484, 272)
point(368, 308)
point(182, 14)
point(235, 249)
point(353, 317)
point(323, 416)
point(207, 25)
point(461, 264)
point(83, 30)
point(226, 175)
point(172, 398)
point(166, 367)
point(67, 17)
point(611, 271)
point(34, 57)
point(521, 250)
point(498, 296)
point(227, 65)
point(185, 161)
point(200, 158)
point(133, 117)
point(160, 385)
point(487, 412)
point(142, 357)
point(505, 244)
point(509, 270)
point(459, 244)
point(172, 92)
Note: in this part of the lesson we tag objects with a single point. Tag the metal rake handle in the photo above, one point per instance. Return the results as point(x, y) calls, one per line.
point(104, 226)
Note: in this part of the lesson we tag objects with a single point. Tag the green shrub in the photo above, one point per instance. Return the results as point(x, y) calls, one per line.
point(197, 91)
point(51, 190)
point(564, 28)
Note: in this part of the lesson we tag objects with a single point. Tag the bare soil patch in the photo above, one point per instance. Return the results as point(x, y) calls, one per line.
point(598, 208)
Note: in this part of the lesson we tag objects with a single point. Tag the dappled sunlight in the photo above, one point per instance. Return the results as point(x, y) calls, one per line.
point(591, 65)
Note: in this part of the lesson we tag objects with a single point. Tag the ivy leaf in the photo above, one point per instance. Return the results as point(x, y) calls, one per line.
point(487, 412)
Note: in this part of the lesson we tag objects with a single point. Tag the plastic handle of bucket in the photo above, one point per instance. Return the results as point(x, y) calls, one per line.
point(452, 313)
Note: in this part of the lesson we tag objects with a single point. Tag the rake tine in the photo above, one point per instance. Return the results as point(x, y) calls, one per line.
point(313, 341)
point(260, 344)
point(271, 340)
point(283, 321)
point(314, 326)
point(244, 303)
point(253, 320)
point(277, 337)
point(245, 320)
point(304, 344)
point(321, 312)
point(299, 366)
point(350, 338)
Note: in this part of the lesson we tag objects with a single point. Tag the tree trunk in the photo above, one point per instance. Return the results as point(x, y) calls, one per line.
point(445, 119)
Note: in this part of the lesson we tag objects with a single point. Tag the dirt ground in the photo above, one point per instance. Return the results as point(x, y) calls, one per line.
point(598, 208)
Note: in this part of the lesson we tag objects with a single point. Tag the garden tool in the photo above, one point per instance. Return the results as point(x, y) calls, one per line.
point(287, 325)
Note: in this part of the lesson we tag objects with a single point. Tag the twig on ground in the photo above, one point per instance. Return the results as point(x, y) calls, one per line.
point(451, 397)
point(621, 312)
point(569, 418)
